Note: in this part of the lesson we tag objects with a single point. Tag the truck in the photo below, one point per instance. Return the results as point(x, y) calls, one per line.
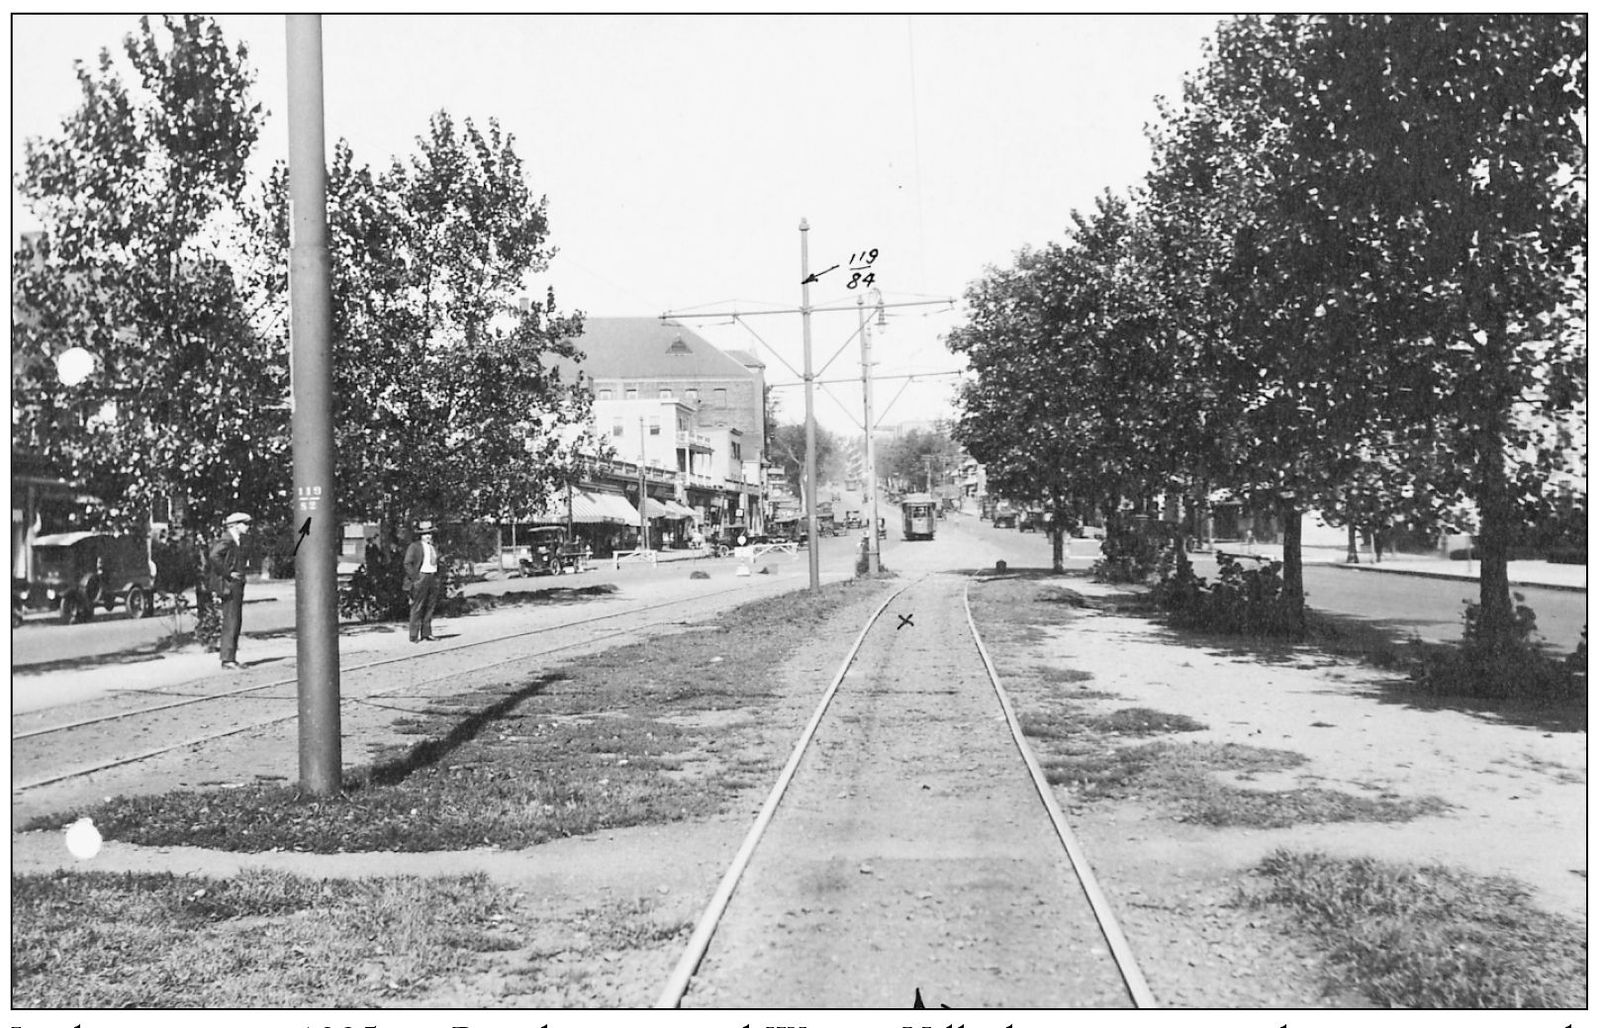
point(76, 572)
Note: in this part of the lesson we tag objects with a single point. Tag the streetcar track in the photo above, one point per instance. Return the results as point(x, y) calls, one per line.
point(1128, 969)
point(440, 650)
point(18, 787)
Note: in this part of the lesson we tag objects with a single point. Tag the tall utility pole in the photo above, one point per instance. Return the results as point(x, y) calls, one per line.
point(810, 486)
point(868, 440)
point(644, 543)
point(317, 653)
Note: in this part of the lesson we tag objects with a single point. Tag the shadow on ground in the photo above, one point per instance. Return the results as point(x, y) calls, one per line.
point(430, 752)
point(1391, 644)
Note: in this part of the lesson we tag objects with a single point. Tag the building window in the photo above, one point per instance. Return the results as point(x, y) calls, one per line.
point(693, 395)
point(603, 394)
point(654, 426)
point(734, 449)
point(617, 426)
point(664, 394)
point(631, 394)
point(720, 399)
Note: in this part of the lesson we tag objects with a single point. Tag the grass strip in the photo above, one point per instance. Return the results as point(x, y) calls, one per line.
point(1430, 936)
point(645, 733)
point(90, 940)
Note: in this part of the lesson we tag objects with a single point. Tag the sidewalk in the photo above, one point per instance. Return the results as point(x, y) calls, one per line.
point(1526, 573)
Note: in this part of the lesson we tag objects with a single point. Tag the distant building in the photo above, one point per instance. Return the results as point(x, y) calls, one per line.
point(682, 416)
point(645, 358)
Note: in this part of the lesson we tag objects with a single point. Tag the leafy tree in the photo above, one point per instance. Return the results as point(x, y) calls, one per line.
point(911, 456)
point(1067, 363)
point(139, 197)
point(787, 448)
point(450, 404)
point(1436, 197)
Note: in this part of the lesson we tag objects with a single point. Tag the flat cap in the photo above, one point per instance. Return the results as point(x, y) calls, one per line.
point(238, 518)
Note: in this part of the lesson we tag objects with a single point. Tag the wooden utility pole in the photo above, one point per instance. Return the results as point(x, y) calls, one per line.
point(317, 654)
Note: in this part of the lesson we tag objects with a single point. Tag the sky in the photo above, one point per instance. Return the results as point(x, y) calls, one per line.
point(680, 154)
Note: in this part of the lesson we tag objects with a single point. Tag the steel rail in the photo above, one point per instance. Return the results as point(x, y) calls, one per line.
point(422, 654)
point(701, 938)
point(1123, 956)
point(202, 740)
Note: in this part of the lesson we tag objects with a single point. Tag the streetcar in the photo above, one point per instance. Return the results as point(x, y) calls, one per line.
point(918, 516)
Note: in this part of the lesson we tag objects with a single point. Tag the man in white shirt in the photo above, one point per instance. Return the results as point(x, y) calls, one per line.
point(422, 562)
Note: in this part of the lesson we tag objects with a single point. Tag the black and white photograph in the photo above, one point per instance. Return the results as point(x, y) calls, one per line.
point(798, 519)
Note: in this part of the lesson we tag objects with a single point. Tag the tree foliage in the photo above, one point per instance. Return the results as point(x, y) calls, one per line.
point(787, 448)
point(917, 456)
point(138, 196)
point(1353, 282)
point(450, 404)
point(160, 257)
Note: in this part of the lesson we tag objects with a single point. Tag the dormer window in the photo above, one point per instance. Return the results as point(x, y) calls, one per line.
point(679, 348)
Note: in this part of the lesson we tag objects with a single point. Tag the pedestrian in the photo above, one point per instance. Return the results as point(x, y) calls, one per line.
point(422, 563)
point(226, 568)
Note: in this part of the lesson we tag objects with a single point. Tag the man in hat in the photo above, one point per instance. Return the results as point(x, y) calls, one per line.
point(422, 563)
point(226, 567)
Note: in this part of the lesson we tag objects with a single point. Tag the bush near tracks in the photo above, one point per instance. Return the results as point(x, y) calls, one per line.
point(1237, 601)
point(634, 735)
point(1430, 936)
point(1521, 670)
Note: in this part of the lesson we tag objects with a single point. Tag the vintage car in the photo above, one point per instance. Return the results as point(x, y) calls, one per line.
point(75, 572)
point(1006, 516)
point(1033, 519)
point(551, 552)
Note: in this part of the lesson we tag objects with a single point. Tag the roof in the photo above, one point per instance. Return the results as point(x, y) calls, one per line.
point(648, 348)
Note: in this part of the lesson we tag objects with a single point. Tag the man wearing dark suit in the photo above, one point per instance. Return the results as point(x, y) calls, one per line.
point(226, 564)
point(422, 562)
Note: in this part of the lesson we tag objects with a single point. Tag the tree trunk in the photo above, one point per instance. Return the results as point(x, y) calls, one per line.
point(1057, 535)
point(1496, 624)
point(1291, 566)
point(1352, 543)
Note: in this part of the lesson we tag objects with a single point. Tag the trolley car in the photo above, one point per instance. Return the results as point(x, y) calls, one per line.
point(918, 516)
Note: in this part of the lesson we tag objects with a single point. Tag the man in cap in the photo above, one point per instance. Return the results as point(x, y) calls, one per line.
point(422, 562)
point(226, 565)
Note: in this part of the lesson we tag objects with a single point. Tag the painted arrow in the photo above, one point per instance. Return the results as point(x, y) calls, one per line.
point(814, 276)
point(305, 529)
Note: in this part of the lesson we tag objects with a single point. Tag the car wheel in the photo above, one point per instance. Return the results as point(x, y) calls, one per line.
point(138, 603)
point(73, 610)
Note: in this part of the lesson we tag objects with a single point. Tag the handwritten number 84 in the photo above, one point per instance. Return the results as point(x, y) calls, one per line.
point(858, 276)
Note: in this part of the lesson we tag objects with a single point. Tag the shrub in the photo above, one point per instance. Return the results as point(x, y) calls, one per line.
point(1131, 552)
point(1237, 602)
point(1513, 669)
point(376, 591)
point(208, 621)
point(178, 559)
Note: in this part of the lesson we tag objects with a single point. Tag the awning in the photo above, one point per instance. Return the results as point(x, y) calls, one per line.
point(654, 508)
point(589, 509)
point(64, 538)
point(678, 511)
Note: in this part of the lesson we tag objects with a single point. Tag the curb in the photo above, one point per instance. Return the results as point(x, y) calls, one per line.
point(1417, 573)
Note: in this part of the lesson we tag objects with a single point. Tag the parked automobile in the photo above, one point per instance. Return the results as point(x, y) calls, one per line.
point(75, 572)
point(551, 552)
point(1032, 519)
point(1005, 517)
